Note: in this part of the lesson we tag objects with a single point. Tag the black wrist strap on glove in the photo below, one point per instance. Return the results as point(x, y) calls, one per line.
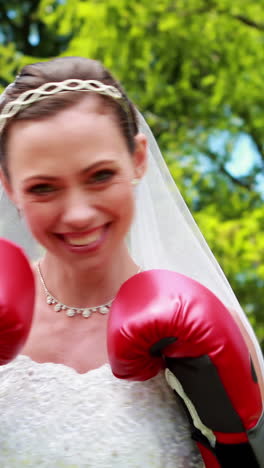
point(203, 395)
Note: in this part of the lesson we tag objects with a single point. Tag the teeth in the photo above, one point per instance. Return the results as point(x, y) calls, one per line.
point(84, 240)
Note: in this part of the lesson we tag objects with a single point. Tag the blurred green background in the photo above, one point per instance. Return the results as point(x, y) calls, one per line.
point(195, 68)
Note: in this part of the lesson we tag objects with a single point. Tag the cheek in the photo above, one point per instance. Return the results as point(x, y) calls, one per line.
point(123, 201)
point(38, 218)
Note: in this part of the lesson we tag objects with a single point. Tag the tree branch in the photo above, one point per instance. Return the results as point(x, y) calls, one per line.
point(209, 8)
point(248, 22)
point(221, 167)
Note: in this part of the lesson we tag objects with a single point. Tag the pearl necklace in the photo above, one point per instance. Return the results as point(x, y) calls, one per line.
point(72, 311)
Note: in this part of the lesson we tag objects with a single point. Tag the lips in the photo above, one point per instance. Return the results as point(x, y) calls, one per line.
point(85, 238)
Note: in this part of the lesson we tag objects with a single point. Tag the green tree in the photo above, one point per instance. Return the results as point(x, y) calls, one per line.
point(25, 34)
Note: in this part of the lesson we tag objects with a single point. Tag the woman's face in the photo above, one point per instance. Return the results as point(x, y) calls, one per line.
point(70, 175)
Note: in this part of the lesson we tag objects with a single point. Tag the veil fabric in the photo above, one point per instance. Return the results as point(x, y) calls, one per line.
point(163, 235)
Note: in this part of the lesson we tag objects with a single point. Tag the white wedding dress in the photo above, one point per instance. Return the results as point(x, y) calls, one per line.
point(53, 417)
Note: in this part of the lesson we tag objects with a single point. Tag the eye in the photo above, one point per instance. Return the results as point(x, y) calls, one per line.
point(41, 189)
point(101, 176)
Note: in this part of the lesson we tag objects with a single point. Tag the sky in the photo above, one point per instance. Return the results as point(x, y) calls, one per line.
point(244, 155)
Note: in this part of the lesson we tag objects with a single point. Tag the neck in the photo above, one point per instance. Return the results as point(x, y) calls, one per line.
point(79, 285)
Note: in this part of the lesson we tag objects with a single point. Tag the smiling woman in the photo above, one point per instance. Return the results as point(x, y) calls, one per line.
point(78, 198)
point(78, 166)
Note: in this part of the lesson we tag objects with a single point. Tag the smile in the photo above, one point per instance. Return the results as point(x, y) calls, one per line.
point(85, 239)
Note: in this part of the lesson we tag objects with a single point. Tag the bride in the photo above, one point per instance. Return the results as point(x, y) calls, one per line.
point(82, 169)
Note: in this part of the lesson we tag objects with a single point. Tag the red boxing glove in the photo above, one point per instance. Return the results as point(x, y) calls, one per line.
point(162, 319)
point(17, 291)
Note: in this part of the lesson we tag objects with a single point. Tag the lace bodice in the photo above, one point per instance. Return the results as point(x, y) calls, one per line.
point(53, 417)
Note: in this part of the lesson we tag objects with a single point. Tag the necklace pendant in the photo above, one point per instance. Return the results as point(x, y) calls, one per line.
point(104, 309)
point(70, 312)
point(49, 300)
point(57, 308)
point(86, 313)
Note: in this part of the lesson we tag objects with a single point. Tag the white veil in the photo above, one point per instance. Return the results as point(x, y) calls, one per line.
point(163, 235)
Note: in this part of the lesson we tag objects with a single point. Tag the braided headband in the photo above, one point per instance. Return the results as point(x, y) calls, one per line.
point(48, 89)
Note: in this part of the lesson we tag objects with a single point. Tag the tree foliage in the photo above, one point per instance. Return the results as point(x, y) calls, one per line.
point(195, 68)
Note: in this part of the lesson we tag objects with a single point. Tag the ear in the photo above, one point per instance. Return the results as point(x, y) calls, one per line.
point(5, 181)
point(140, 155)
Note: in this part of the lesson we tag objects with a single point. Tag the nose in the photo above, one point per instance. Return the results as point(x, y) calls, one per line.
point(79, 211)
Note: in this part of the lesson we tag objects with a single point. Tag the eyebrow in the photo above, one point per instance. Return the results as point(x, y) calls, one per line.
point(83, 171)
